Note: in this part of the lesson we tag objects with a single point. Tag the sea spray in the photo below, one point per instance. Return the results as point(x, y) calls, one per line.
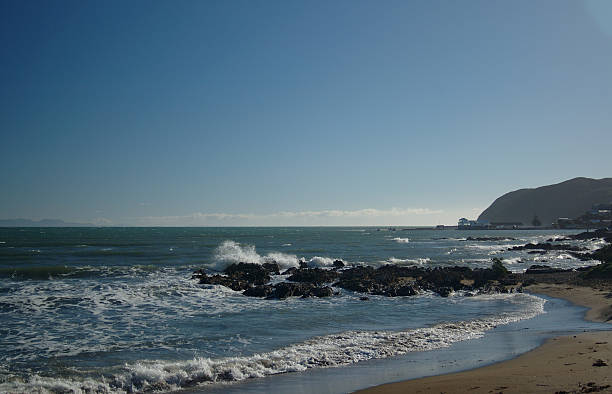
point(231, 252)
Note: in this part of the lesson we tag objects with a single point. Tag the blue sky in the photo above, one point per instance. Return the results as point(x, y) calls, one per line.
point(297, 112)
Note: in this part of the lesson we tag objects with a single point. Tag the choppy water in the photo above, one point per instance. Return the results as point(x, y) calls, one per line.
point(115, 310)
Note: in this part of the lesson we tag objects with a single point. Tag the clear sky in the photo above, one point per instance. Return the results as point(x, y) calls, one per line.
point(297, 112)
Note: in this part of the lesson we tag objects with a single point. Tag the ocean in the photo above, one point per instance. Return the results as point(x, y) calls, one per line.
point(105, 310)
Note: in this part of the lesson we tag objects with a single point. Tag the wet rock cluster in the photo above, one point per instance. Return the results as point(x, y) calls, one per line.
point(548, 246)
point(388, 280)
point(489, 239)
point(252, 280)
point(239, 277)
point(393, 280)
point(602, 233)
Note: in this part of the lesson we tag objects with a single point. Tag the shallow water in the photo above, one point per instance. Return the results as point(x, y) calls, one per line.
point(114, 309)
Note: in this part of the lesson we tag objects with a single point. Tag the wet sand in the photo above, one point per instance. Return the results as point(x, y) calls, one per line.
point(573, 364)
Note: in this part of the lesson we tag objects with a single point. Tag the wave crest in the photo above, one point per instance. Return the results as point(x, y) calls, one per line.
point(230, 252)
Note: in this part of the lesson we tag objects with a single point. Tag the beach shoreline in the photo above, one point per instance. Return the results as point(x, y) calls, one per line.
point(572, 364)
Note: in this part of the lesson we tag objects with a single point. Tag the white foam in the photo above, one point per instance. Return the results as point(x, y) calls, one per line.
point(319, 352)
point(318, 261)
point(418, 261)
point(401, 240)
point(513, 260)
point(230, 252)
point(158, 296)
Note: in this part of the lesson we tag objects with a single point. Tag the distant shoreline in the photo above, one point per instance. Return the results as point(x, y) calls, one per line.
point(382, 228)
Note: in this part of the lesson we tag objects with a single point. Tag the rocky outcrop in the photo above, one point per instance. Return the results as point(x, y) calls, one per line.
point(239, 276)
point(253, 273)
point(489, 239)
point(315, 276)
point(542, 269)
point(392, 280)
point(548, 246)
point(284, 290)
point(600, 233)
point(388, 280)
point(234, 284)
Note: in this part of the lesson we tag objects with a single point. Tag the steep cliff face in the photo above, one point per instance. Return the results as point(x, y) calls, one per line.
point(566, 199)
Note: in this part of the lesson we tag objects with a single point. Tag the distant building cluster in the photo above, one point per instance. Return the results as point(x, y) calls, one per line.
point(467, 224)
point(599, 216)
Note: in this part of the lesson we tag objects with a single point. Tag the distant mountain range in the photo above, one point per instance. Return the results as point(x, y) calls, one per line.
point(40, 223)
point(568, 199)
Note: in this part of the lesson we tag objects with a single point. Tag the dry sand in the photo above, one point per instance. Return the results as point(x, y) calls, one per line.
point(574, 364)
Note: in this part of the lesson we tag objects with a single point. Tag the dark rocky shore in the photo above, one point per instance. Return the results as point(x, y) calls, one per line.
point(392, 280)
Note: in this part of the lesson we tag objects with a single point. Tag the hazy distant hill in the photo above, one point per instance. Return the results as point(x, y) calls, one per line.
point(40, 223)
point(566, 199)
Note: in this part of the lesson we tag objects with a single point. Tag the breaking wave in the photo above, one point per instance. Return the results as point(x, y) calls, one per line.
point(401, 240)
point(230, 252)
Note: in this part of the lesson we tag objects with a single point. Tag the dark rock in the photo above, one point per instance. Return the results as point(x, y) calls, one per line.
point(313, 275)
point(444, 291)
point(283, 290)
point(289, 271)
point(537, 252)
point(443, 277)
point(600, 271)
point(322, 292)
point(338, 263)
point(548, 246)
point(303, 264)
point(400, 291)
point(259, 291)
point(509, 281)
point(603, 254)
point(358, 285)
point(489, 239)
point(357, 273)
point(390, 274)
point(600, 233)
point(542, 269)
point(251, 273)
point(234, 284)
point(272, 268)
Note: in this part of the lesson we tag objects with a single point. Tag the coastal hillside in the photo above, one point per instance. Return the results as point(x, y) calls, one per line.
point(566, 199)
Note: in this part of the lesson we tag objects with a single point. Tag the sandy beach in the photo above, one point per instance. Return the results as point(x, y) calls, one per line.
point(573, 364)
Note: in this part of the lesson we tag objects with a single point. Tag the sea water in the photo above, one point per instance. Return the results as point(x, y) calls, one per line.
point(116, 310)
